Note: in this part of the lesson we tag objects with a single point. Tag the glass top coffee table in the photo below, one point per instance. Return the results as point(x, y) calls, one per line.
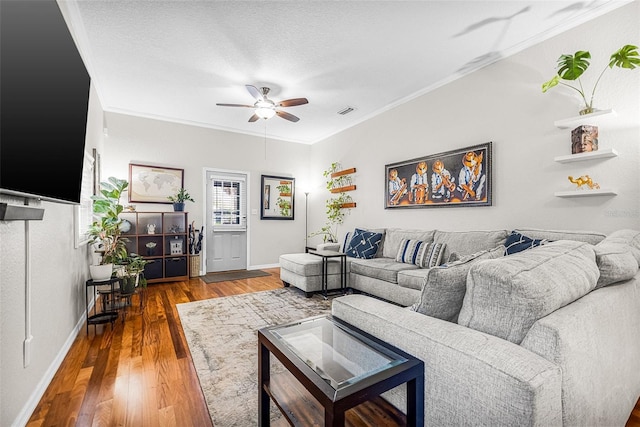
point(339, 365)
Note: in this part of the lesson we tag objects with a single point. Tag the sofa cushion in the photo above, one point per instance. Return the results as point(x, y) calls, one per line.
point(394, 236)
point(422, 254)
point(615, 262)
point(443, 287)
point(412, 279)
point(628, 237)
point(517, 242)
point(363, 244)
point(551, 235)
point(506, 296)
point(380, 268)
point(468, 242)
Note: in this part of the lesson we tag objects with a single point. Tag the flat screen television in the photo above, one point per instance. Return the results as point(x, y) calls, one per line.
point(44, 96)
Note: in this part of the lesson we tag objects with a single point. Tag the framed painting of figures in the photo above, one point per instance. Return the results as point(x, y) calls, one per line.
point(460, 177)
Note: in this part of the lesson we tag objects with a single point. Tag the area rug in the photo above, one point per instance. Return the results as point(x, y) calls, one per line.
point(222, 337)
point(232, 275)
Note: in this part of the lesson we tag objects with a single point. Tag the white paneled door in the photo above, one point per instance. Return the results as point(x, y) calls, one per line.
point(226, 221)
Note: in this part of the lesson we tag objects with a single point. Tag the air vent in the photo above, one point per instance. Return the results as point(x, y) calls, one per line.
point(346, 110)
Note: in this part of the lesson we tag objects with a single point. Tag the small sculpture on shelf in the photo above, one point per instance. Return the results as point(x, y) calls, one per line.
point(151, 229)
point(584, 180)
point(151, 248)
point(584, 139)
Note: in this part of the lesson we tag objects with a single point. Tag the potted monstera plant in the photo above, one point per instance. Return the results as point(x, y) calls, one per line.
point(572, 67)
point(105, 234)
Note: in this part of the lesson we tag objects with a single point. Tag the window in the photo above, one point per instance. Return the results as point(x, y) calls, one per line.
point(83, 213)
point(228, 200)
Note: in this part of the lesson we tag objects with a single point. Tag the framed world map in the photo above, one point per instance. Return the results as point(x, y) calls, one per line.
point(153, 184)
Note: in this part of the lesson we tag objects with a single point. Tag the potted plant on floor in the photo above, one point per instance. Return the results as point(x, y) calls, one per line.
point(105, 232)
point(179, 198)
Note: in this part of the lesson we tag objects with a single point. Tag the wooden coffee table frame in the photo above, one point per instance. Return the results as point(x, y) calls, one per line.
point(334, 402)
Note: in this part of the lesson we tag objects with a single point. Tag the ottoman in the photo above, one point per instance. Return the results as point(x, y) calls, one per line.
point(304, 271)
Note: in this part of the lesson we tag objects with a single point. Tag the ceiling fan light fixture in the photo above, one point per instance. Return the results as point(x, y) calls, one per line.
point(265, 112)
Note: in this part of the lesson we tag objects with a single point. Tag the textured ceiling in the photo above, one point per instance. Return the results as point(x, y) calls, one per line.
point(174, 60)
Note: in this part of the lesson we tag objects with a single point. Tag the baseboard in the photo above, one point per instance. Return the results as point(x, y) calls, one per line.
point(260, 267)
point(27, 410)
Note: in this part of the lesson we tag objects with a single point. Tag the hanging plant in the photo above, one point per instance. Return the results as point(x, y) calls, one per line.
point(335, 206)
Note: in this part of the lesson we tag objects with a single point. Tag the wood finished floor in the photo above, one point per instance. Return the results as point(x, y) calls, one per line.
point(140, 372)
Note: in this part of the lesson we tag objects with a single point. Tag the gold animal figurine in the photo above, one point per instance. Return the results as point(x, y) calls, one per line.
point(584, 179)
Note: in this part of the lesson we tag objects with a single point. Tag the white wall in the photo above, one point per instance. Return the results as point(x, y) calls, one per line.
point(58, 272)
point(503, 103)
point(146, 141)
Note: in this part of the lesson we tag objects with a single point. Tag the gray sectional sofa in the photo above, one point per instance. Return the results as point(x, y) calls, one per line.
point(546, 336)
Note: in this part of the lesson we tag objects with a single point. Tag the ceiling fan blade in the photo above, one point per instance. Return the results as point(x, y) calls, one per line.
point(293, 102)
point(254, 92)
point(287, 116)
point(235, 105)
point(253, 118)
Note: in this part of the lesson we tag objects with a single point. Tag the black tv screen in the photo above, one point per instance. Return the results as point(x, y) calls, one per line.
point(44, 94)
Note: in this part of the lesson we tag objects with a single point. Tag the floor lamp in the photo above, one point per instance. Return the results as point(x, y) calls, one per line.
point(306, 220)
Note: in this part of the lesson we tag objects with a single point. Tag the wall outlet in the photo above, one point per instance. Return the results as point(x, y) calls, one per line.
point(254, 211)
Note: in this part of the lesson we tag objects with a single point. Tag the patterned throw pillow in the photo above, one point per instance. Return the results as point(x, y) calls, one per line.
point(420, 253)
point(347, 240)
point(363, 244)
point(517, 242)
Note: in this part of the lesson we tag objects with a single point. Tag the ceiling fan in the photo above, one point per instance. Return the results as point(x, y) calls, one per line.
point(266, 108)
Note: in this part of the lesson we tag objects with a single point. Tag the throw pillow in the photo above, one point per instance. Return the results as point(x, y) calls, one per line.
point(628, 237)
point(506, 296)
point(615, 262)
point(347, 240)
point(444, 287)
point(363, 244)
point(420, 253)
point(517, 242)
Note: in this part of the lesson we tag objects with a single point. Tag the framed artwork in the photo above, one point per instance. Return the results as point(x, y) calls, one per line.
point(153, 184)
point(455, 178)
point(277, 198)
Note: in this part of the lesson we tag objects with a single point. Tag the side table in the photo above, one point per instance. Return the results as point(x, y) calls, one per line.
point(326, 256)
point(109, 311)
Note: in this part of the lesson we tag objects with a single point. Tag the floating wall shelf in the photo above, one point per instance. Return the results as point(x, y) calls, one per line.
point(586, 193)
point(343, 172)
point(587, 119)
point(600, 154)
point(343, 189)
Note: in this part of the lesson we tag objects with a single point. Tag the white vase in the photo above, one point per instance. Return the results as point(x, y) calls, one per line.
point(101, 272)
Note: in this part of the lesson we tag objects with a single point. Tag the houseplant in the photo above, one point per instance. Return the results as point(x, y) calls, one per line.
point(105, 232)
point(335, 210)
point(572, 67)
point(132, 273)
point(179, 198)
